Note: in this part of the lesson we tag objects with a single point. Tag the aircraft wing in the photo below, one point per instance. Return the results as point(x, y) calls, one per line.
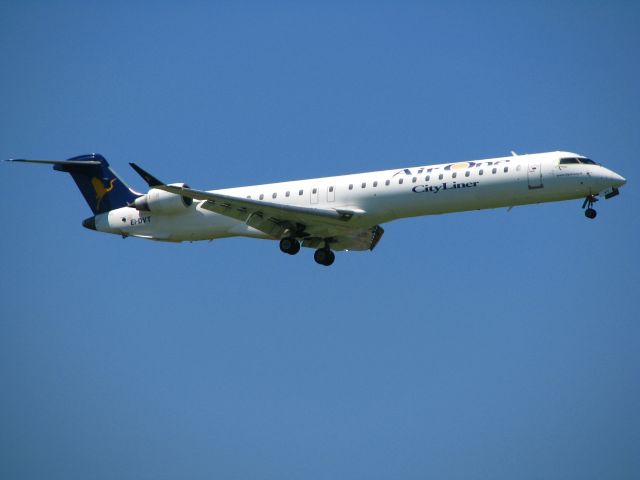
point(313, 225)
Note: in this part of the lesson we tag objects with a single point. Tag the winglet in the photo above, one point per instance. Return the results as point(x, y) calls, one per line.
point(147, 177)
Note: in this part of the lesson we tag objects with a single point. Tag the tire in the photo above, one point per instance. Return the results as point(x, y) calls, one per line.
point(322, 256)
point(289, 245)
point(330, 259)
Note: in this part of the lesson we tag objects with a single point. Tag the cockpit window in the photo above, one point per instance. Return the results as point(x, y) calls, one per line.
point(574, 160)
point(567, 161)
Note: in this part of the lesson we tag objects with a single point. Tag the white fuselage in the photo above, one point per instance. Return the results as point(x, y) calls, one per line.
point(383, 196)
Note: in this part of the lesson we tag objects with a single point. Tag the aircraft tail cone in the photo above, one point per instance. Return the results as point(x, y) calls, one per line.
point(89, 223)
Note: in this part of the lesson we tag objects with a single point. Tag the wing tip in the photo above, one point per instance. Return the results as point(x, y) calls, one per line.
point(146, 176)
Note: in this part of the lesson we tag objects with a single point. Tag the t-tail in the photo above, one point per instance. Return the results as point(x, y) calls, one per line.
point(101, 187)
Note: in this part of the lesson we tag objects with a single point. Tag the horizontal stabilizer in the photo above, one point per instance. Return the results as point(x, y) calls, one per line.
point(56, 162)
point(99, 185)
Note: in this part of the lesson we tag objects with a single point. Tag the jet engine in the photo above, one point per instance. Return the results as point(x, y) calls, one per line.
point(159, 201)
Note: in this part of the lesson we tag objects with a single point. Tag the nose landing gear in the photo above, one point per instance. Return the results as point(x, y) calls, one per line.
point(588, 203)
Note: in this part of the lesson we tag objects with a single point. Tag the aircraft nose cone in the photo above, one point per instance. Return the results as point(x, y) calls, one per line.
point(89, 223)
point(619, 180)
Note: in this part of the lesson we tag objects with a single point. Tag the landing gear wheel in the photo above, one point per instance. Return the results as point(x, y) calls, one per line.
point(289, 245)
point(588, 203)
point(331, 259)
point(324, 256)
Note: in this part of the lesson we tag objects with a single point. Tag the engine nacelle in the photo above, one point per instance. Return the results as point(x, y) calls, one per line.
point(159, 201)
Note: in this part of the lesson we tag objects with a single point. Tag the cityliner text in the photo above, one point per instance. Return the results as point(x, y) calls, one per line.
point(442, 187)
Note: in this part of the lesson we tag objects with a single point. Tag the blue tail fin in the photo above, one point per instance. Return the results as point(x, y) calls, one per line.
point(101, 187)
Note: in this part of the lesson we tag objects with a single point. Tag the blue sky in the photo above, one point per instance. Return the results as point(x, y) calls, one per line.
point(487, 344)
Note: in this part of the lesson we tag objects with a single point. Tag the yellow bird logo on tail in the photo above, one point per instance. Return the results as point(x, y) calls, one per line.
point(100, 189)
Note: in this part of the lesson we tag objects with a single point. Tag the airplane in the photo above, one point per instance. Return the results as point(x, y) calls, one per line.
point(341, 213)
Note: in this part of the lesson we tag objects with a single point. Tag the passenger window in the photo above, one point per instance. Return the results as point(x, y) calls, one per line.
point(387, 182)
point(315, 190)
point(400, 181)
point(287, 194)
point(440, 176)
point(414, 179)
point(494, 170)
point(351, 186)
point(364, 184)
point(261, 196)
point(300, 192)
point(426, 179)
point(506, 169)
point(455, 174)
point(274, 195)
point(481, 172)
point(467, 173)
point(375, 184)
point(331, 189)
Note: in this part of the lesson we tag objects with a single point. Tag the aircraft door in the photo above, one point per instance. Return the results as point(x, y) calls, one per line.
point(331, 194)
point(315, 194)
point(534, 175)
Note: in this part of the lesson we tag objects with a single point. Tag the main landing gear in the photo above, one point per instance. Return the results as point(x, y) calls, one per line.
point(289, 245)
point(323, 256)
point(588, 203)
